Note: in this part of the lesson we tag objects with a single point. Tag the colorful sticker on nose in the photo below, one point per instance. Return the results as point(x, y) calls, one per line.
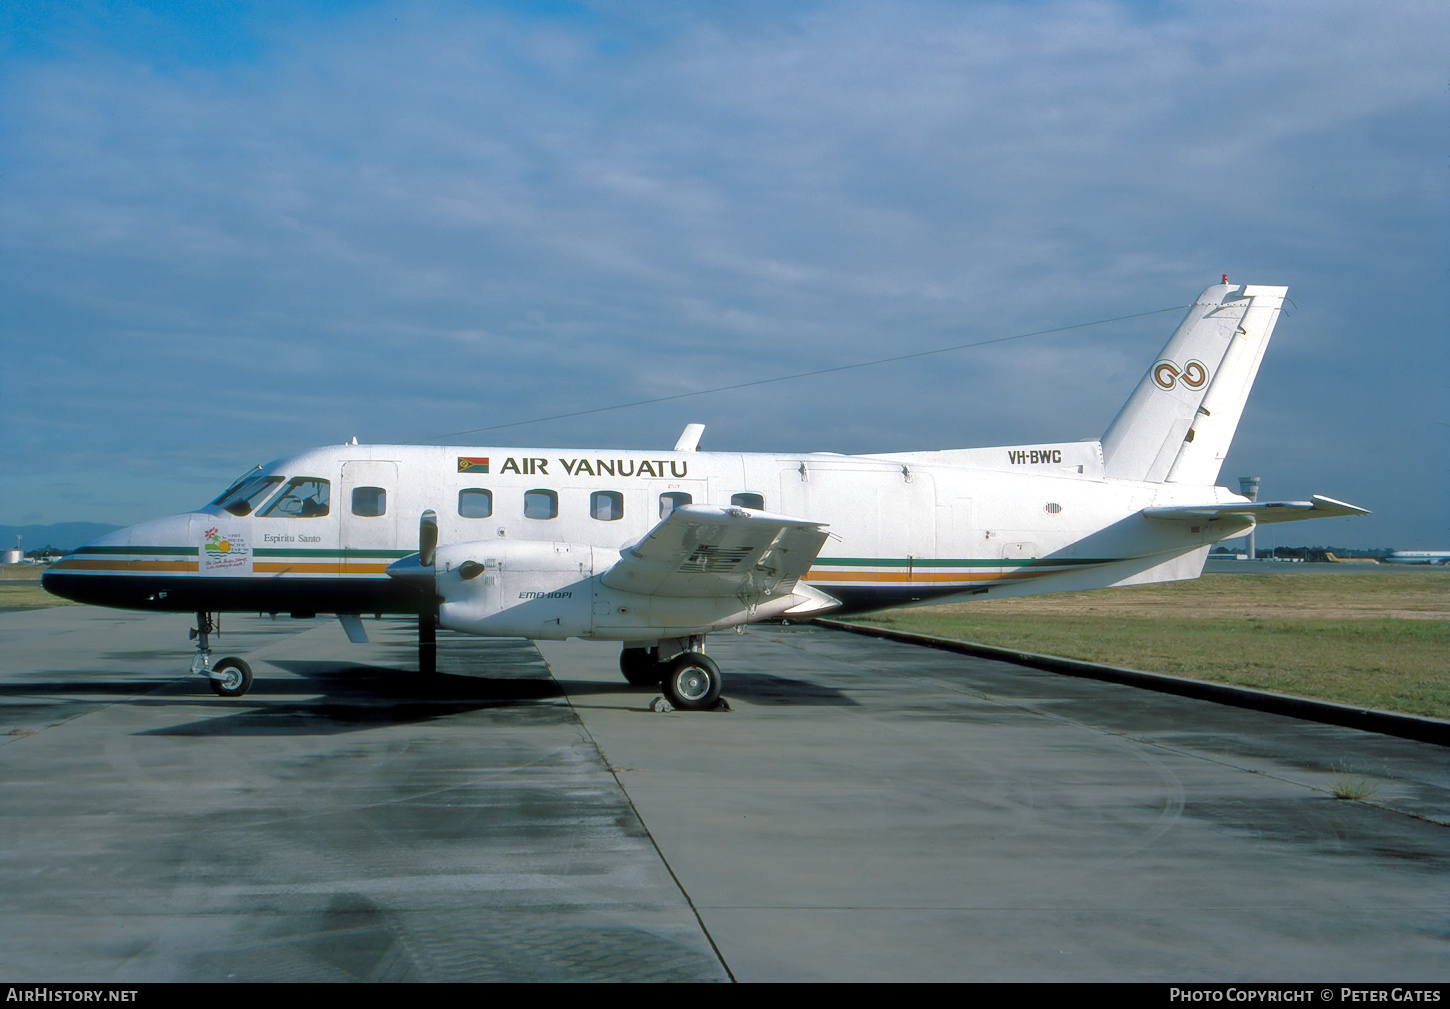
point(225, 552)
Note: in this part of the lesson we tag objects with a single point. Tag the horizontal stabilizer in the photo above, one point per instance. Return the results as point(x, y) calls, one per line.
point(701, 551)
point(1261, 512)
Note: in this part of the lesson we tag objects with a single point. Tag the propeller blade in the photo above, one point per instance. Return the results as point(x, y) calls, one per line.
point(427, 538)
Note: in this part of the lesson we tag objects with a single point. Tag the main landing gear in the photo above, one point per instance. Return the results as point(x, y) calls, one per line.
point(229, 677)
point(690, 680)
point(641, 666)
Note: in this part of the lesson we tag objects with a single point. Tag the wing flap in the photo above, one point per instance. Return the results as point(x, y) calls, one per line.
point(704, 551)
point(1262, 512)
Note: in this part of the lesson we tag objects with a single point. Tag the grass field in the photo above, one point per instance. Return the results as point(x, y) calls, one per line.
point(20, 588)
point(1376, 638)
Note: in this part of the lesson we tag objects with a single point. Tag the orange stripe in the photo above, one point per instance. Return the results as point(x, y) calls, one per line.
point(317, 568)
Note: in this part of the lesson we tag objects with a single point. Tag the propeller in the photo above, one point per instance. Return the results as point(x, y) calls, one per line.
point(421, 569)
point(417, 569)
point(428, 618)
point(427, 538)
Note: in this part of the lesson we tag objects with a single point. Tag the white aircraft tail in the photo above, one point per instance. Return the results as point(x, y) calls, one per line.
point(1179, 422)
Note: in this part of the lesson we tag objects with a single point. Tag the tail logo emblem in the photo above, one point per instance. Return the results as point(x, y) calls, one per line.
point(1166, 375)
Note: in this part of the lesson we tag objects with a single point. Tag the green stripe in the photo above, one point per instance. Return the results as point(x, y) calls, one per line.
point(163, 551)
point(320, 552)
point(969, 562)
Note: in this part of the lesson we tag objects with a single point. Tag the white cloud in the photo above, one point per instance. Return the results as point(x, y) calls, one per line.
point(404, 221)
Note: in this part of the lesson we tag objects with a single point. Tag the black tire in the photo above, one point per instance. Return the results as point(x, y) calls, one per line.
point(641, 667)
point(692, 682)
point(236, 677)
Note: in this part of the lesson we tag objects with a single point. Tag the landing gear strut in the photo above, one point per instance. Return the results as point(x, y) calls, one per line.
point(229, 677)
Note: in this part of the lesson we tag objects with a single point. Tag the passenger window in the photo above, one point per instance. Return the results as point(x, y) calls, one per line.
point(672, 500)
point(305, 497)
point(541, 504)
point(755, 501)
point(606, 505)
point(475, 503)
point(370, 502)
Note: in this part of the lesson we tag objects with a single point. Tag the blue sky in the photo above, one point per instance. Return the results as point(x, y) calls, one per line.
point(229, 232)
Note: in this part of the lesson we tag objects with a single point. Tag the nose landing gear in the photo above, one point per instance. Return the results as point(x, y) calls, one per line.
point(229, 677)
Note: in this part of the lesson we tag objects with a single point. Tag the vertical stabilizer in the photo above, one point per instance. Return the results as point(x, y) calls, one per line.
point(1178, 423)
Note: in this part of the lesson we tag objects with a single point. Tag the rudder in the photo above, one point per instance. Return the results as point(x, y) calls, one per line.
point(1178, 424)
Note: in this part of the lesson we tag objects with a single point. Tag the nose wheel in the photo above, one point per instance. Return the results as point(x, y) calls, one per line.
point(229, 677)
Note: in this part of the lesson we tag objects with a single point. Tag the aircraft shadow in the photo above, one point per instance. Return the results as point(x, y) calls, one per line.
point(758, 688)
point(333, 697)
point(767, 688)
point(101, 688)
point(343, 698)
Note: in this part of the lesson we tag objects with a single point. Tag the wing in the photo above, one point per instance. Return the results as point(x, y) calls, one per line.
point(1260, 512)
point(702, 551)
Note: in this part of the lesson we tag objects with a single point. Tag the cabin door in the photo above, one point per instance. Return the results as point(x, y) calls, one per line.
point(369, 508)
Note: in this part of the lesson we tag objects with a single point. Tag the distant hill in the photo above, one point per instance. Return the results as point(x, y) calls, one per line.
point(61, 535)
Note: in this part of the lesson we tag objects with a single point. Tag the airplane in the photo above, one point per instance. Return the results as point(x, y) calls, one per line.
point(656, 550)
point(1418, 557)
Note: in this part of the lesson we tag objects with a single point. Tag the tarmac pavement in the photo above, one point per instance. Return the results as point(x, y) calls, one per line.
point(867, 810)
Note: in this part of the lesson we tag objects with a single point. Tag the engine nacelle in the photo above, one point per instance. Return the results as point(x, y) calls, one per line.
point(515, 588)
point(547, 591)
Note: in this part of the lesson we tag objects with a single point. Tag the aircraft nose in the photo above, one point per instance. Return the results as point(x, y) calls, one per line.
point(72, 576)
point(123, 568)
point(53, 583)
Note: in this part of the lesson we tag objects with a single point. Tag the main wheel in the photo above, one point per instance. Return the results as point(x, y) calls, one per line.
point(692, 682)
point(236, 677)
point(641, 667)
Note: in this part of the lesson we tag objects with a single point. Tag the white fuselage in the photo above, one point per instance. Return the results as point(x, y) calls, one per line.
point(1013, 520)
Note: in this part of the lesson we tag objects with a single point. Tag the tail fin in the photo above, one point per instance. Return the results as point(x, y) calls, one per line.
point(1180, 420)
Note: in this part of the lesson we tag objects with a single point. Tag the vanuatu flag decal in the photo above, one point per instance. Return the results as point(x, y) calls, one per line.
point(473, 464)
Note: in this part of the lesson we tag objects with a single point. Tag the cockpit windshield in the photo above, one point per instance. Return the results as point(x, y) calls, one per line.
point(305, 497)
point(248, 475)
point(248, 492)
